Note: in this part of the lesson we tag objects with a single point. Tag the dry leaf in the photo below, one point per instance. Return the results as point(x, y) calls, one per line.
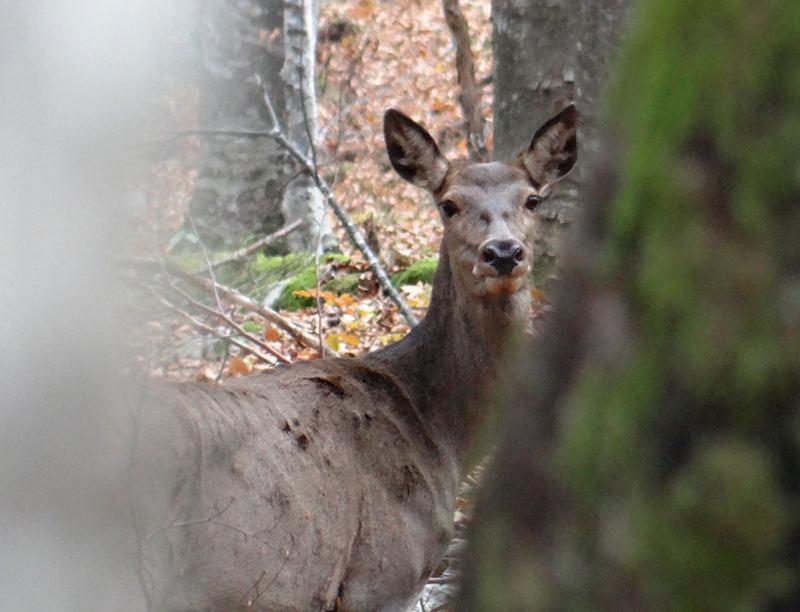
point(307, 354)
point(350, 339)
point(333, 341)
point(239, 367)
point(271, 334)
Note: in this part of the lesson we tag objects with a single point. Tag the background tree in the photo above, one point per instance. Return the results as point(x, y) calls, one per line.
point(302, 198)
point(547, 54)
point(652, 459)
point(249, 185)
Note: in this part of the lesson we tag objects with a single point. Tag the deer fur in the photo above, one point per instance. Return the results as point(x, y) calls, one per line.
point(331, 484)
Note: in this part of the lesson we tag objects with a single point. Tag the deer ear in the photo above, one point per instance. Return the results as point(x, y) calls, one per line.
point(554, 149)
point(413, 152)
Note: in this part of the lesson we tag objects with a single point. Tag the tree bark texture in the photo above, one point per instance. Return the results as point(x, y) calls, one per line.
point(652, 455)
point(240, 181)
point(548, 53)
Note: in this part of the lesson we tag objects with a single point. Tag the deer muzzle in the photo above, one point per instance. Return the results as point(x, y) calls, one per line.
point(503, 255)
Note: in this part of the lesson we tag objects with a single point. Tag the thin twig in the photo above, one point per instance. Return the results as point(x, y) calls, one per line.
point(304, 100)
point(245, 252)
point(351, 228)
point(222, 363)
point(259, 593)
point(269, 314)
point(231, 323)
point(209, 330)
point(209, 267)
point(318, 296)
point(193, 522)
point(469, 94)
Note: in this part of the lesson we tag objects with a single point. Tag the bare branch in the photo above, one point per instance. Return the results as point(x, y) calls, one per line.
point(208, 261)
point(209, 330)
point(269, 314)
point(245, 252)
point(351, 228)
point(231, 323)
point(468, 95)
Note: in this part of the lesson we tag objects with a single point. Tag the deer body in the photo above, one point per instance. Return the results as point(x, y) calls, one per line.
point(330, 485)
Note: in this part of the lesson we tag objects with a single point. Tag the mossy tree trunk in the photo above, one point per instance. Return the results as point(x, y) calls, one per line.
point(548, 53)
point(652, 456)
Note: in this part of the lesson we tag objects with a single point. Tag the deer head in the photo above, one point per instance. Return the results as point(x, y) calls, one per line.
point(487, 208)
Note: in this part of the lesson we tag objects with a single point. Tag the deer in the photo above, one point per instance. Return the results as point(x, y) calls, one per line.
point(330, 485)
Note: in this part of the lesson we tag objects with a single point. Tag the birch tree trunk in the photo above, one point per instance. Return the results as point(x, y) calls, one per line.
point(302, 198)
point(548, 53)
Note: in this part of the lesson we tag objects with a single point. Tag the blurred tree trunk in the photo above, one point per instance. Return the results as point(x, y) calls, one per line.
point(241, 182)
point(548, 53)
point(652, 454)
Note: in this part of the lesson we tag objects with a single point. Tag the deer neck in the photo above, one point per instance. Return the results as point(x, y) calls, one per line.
point(451, 363)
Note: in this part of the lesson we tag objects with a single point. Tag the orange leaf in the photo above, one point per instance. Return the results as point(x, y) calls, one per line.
point(271, 334)
point(239, 367)
point(346, 300)
point(365, 8)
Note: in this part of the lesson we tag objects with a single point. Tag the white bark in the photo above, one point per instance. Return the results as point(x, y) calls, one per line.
point(302, 198)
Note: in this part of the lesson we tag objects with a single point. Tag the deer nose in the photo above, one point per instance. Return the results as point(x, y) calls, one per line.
point(503, 255)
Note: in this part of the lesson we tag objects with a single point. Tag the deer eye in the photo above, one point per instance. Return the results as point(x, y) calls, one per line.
point(448, 208)
point(533, 201)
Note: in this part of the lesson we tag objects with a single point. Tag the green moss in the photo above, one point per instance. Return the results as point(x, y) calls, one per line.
point(306, 279)
point(347, 283)
point(709, 541)
point(684, 437)
point(422, 270)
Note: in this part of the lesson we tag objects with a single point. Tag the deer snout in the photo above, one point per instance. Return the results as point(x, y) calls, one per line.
point(503, 255)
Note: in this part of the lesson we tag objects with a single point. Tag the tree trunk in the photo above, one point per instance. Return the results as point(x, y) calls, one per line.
point(548, 53)
point(244, 184)
point(240, 181)
point(652, 456)
point(469, 95)
point(302, 198)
